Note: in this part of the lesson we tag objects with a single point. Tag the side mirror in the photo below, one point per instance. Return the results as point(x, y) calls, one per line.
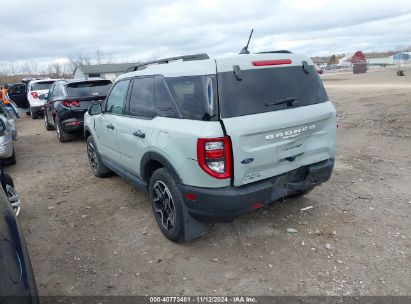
point(94, 109)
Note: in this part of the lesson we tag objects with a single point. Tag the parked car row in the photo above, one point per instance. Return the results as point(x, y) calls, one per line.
point(208, 139)
point(203, 154)
point(29, 95)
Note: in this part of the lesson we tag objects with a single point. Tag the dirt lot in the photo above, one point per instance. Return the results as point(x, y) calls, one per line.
point(91, 236)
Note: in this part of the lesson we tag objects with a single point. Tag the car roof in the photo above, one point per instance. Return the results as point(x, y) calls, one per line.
point(43, 80)
point(210, 66)
point(78, 80)
point(176, 68)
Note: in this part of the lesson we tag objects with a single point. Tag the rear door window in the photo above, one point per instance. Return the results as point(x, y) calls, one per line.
point(195, 96)
point(163, 99)
point(260, 89)
point(141, 102)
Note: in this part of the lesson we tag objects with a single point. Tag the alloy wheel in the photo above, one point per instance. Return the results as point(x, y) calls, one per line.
point(57, 129)
point(92, 156)
point(14, 199)
point(164, 206)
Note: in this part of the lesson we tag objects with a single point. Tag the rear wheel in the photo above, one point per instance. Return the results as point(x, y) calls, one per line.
point(94, 159)
point(61, 135)
point(166, 202)
point(46, 123)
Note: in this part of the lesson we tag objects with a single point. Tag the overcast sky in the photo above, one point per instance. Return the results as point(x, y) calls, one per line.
point(46, 31)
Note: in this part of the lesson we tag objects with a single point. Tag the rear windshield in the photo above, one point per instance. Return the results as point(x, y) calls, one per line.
point(89, 88)
point(37, 86)
point(195, 96)
point(260, 88)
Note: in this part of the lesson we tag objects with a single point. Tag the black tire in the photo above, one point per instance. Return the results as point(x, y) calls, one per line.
point(34, 115)
point(11, 160)
point(12, 194)
point(61, 135)
point(47, 125)
point(28, 113)
point(300, 193)
point(8, 179)
point(94, 159)
point(173, 226)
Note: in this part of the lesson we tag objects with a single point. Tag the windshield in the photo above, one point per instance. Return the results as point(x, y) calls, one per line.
point(89, 88)
point(269, 89)
point(38, 86)
point(195, 96)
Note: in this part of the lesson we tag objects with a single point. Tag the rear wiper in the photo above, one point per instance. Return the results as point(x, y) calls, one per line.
point(289, 101)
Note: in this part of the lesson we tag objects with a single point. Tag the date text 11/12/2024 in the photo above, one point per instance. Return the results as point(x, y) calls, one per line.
point(203, 299)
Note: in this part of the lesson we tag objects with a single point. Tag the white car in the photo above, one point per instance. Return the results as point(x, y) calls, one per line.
point(35, 90)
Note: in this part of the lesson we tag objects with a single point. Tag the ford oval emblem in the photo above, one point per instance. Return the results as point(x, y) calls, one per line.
point(247, 161)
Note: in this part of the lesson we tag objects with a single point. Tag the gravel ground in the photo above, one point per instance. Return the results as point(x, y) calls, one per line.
point(91, 236)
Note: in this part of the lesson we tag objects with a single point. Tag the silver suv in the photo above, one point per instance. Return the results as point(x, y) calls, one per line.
point(211, 139)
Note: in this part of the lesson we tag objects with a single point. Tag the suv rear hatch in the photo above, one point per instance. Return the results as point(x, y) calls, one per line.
point(276, 111)
point(88, 91)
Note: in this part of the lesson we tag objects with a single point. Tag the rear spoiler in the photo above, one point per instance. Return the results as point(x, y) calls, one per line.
point(72, 84)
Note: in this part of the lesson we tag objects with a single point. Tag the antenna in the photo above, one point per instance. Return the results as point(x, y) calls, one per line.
point(245, 49)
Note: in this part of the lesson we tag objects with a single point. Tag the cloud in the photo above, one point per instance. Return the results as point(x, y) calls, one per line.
point(46, 31)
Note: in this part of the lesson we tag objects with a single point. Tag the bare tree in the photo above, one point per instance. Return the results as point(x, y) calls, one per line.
point(96, 58)
point(57, 70)
point(10, 68)
point(101, 58)
point(30, 68)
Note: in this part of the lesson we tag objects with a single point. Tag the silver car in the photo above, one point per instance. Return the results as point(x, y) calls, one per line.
point(8, 134)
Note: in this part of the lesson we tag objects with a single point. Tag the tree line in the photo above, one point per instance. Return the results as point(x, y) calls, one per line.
point(13, 71)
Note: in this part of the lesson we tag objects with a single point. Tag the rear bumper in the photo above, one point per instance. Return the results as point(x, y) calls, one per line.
point(71, 120)
point(72, 125)
point(38, 109)
point(225, 204)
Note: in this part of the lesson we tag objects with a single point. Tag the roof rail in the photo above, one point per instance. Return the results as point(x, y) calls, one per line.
point(280, 51)
point(143, 65)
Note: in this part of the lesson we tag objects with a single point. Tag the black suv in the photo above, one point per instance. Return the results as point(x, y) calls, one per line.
point(68, 100)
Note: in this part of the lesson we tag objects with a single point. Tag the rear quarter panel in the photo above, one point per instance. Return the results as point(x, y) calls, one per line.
point(176, 140)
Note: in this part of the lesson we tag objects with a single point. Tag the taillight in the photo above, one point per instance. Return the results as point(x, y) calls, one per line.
point(35, 95)
point(214, 156)
point(69, 103)
point(271, 62)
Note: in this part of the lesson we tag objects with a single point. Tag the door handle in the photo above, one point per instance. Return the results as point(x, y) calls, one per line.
point(139, 134)
point(110, 126)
